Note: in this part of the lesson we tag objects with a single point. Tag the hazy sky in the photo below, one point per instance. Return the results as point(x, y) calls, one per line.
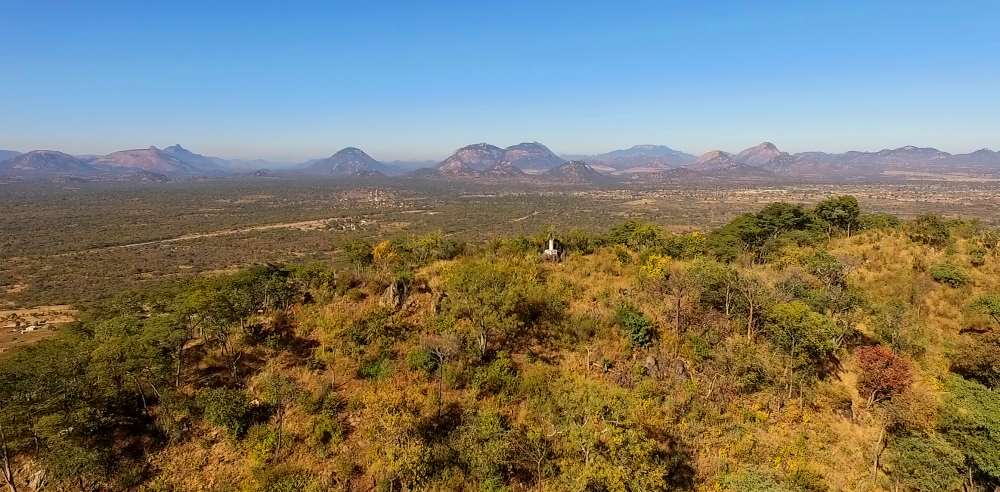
point(419, 79)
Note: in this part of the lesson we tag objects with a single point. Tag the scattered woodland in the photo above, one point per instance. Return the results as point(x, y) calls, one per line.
point(76, 243)
point(815, 347)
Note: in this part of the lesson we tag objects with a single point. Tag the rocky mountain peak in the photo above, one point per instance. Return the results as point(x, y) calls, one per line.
point(476, 157)
point(349, 161)
point(531, 155)
point(760, 155)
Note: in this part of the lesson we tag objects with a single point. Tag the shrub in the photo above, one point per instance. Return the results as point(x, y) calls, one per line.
point(882, 373)
point(374, 368)
point(229, 409)
point(807, 480)
point(423, 360)
point(977, 257)
point(323, 401)
point(949, 274)
point(373, 327)
point(636, 326)
point(260, 442)
point(285, 479)
point(578, 328)
point(751, 481)
point(325, 431)
point(497, 377)
point(622, 254)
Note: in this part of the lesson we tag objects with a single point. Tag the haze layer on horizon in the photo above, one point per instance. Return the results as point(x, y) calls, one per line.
point(407, 80)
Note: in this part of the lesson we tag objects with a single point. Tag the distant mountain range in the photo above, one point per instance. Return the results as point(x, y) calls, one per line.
point(640, 158)
point(529, 161)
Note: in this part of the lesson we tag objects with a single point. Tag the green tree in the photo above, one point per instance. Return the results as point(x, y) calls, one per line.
point(229, 409)
point(716, 283)
point(358, 252)
point(497, 300)
point(924, 463)
point(840, 212)
point(970, 422)
point(808, 338)
point(277, 391)
point(931, 230)
point(988, 304)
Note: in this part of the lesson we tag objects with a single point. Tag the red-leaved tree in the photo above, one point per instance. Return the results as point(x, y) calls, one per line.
point(882, 373)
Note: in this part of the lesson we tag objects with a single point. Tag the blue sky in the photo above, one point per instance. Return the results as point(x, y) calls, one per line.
point(419, 79)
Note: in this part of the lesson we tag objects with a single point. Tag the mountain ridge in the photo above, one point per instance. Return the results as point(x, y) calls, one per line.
point(527, 159)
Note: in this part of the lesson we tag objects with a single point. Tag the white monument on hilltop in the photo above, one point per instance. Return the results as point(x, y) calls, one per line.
point(553, 251)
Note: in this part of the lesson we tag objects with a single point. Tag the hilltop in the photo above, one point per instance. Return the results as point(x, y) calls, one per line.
point(772, 353)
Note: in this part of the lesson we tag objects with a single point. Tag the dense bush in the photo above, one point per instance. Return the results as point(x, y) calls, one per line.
point(358, 252)
point(765, 233)
point(638, 235)
point(636, 326)
point(486, 445)
point(878, 221)
point(897, 328)
point(499, 377)
point(924, 463)
point(229, 409)
point(491, 302)
point(978, 358)
point(949, 274)
point(970, 422)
